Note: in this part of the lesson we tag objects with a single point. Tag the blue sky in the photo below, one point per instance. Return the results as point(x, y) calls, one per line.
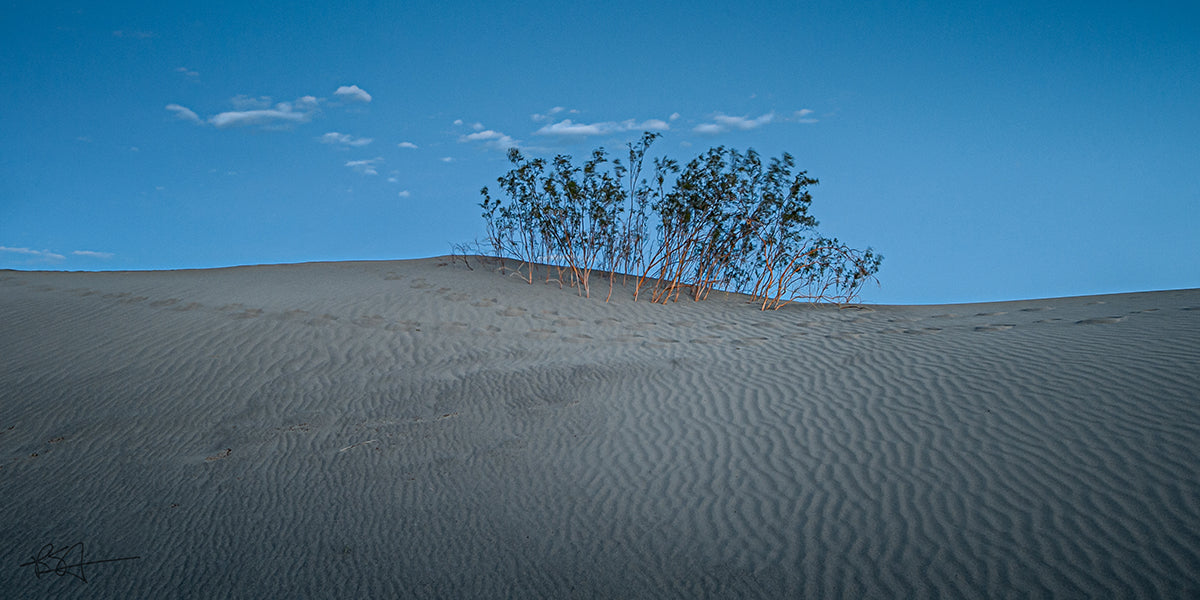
point(990, 151)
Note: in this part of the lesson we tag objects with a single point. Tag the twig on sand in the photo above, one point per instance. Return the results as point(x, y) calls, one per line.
point(356, 445)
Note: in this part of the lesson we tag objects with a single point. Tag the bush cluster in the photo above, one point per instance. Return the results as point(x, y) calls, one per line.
point(725, 221)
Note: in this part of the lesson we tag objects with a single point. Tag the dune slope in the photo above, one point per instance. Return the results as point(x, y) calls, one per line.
point(416, 429)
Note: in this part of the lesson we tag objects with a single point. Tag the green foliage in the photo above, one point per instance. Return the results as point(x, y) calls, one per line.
point(724, 221)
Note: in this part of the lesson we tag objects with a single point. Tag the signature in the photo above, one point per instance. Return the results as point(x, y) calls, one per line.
point(49, 560)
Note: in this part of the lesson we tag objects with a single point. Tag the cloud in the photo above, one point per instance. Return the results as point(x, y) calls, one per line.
point(490, 138)
point(566, 127)
point(550, 114)
point(183, 113)
point(650, 125)
point(483, 135)
point(187, 71)
point(244, 102)
point(308, 103)
point(352, 93)
point(43, 254)
point(366, 167)
point(93, 254)
point(723, 123)
point(258, 111)
point(344, 139)
point(405, 194)
point(447, 159)
point(801, 116)
point(407, 145)
point(256, 117)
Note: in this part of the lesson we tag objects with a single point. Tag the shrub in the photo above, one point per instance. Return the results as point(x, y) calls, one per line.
point(724, 221)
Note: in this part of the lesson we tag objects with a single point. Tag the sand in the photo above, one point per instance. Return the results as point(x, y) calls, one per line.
point(415, 429)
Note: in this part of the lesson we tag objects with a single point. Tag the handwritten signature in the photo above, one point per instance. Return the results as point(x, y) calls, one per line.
point(49, 560)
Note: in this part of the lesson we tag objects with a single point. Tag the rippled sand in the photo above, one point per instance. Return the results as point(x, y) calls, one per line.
point(418, 429)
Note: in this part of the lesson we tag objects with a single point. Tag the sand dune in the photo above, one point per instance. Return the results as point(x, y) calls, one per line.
point(418, 429)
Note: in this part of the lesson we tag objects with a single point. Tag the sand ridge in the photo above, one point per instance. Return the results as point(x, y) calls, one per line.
point(418, 429)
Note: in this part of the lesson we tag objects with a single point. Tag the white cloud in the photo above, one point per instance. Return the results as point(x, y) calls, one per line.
point(257, 117)
point(744, 123)
point(407, 145)
point(550, 113)
point(344, 139)
point(260, 111)
point(244, 102)
point(307, 102)
point(674, 116)
point(723, 123)
point(43, 254)
point(353, 93)
point(566, 127)
point(447, 159)
point(93, 254)
point(183, 113)
point(650, 125)
point(482, 135)
point(187, 71)
point(490, 138)
point(405, 194)
point(801, 116)
point(366, 167)
point(458, 121)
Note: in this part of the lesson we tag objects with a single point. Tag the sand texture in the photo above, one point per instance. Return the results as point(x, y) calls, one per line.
point(415, 429)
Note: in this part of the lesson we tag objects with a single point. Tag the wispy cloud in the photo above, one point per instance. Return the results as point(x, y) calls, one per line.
point(187, 71)
point(93, 254)
point(722, 123)
point(405, 194)
point(550, 114)
point(568, 128)
point(41, 254)
point(344, 139)
point(409, 145)
point(352, 93)
point(802, 116)
point(489, 138)
point(253, 112)
point(244, 102)
point(257, 117)
point(184, 113)
point(366, 167)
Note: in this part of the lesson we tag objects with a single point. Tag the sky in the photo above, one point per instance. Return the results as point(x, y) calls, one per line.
point(989, 150)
